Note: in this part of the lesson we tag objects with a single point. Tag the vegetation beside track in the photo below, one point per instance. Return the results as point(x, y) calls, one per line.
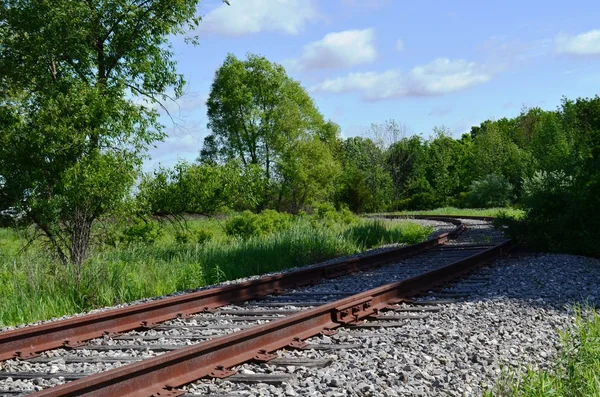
point(139, 262)
point(576, 371)
point(509, 212)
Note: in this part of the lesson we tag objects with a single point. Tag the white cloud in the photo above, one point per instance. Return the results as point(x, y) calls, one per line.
point(439, 77)
point(339, 49)
point(582, 44)
point(245, 17)
point(180, 143)
point(399, 45)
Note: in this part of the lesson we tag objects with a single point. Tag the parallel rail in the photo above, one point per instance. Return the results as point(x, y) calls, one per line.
point(164, 374)
point(29, 341)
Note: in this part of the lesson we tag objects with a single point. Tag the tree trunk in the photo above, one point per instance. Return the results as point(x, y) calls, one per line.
point(80, 240)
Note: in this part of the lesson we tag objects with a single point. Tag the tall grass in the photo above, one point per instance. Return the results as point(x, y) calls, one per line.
point(33, 286)
point(576, 372)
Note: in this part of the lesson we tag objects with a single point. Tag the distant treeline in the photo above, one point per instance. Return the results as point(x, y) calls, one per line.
point(270, 148)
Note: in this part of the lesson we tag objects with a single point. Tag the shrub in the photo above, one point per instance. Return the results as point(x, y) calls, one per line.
point(325, 211)
point(490, 191)
point(244, 225)
point(423, 201)
point(203, 236)
point(141, 232)
point(326, 214)
point(183, 236)
point(249, 225)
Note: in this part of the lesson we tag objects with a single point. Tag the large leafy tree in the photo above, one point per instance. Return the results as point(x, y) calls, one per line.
point(260, 116)
point(73, 134)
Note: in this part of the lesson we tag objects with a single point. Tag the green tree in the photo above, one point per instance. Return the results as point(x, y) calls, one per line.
point(260, 116)
point(495, 153)
point(73, 137)
point(366, 185)
point(405, 160)
point(309, 173)
point(444, 154)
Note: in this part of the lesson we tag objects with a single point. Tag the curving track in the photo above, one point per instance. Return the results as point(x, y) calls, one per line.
point(162, 356)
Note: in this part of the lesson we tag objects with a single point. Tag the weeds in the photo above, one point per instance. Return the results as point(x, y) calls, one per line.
point(34, 287)
point(576, 372)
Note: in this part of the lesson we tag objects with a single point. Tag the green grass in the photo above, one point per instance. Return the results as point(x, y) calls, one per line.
point(511, 212)
point(576, 372)
point(36, 287)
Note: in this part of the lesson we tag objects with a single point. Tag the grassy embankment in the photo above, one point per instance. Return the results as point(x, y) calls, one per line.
point(34, 286)
point(576, 372)
point(510, 212)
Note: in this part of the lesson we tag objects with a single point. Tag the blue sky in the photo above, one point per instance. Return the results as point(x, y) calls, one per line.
point(423, 64)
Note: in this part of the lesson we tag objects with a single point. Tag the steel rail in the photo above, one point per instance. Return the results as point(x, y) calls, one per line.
point(162, 375)
point(28, 342)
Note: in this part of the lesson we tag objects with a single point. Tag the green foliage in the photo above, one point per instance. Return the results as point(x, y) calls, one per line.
point(73, 136)
point(203, 236)
point(576, 373)
point(419, 202)
point(326, 214)
point(373, 233)
point(199, 189)
point(561, 198)
point(366, 186)
point(490, 191)
point(263, 118)
point(35, 288)
point(141, 232)
point(249, 225)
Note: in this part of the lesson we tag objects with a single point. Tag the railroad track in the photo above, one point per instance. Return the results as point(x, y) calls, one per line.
point(157, 348)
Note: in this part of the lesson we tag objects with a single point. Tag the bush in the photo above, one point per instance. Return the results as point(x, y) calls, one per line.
point(249, 225)
point(244, 225)
point(554, 204)
point(141, 232)
point(325, 214)
point(203, 236)
point(325, 211)
point(491, 191)
point(423, 201)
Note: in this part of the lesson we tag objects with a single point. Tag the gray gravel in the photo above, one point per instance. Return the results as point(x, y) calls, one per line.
point(511, 321)
point(148, 343)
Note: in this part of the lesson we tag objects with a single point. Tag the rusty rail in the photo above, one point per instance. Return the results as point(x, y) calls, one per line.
point(28, 342)
point(161, 376)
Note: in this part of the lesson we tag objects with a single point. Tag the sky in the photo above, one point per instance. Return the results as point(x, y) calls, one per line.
point(422, 63)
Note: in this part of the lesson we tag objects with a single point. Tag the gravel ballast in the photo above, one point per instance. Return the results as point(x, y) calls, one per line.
point(511, 321)
point(510, 317)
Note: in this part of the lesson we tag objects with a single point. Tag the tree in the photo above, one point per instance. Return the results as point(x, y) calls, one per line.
point(199, 189)
point(366, 185)
point(443, 159)
point(72, 136)
point(405, 160)
point(308, 172)
point(260, 116)
point(495, 153)
point(386, 134)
